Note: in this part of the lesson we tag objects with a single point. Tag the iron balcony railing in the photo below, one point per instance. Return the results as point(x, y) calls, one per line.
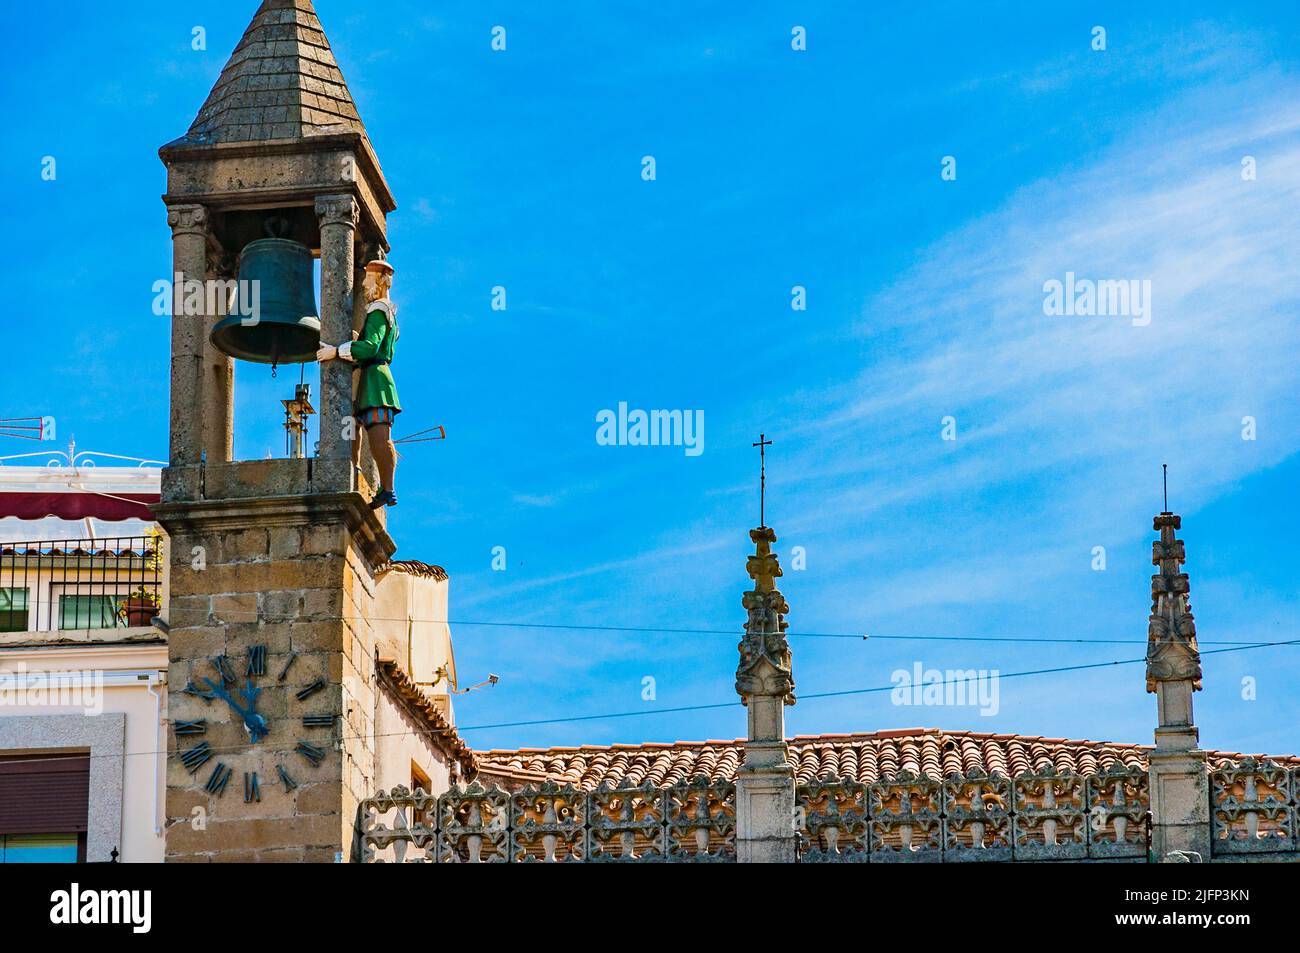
point(77, 584)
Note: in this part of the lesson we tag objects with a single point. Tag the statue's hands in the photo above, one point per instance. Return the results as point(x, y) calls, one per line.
point(356, 335)
point(327, 352)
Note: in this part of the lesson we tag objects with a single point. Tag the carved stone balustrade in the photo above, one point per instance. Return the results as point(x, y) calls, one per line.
point(906, 819)
point(400, 827)
point(548, 824)
point(1119, 805)
point(1042, 816)
point(701, 821)
point(626, 824)
point(1050, 816)
point(1253, 808)
point(690, 822)
point(473, 825)
point(832, 822)
point(977, 818)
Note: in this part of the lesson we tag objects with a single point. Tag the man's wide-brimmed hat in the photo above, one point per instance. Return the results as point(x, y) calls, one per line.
point(379, 265)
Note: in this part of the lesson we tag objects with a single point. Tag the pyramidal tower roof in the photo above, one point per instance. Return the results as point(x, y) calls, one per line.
point(281, 82)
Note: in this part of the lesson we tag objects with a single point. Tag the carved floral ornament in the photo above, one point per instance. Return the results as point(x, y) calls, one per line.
point(1172, 652)
point(765, 663)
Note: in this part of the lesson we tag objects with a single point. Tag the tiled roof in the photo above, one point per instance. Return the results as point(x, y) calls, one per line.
point(414, 567)
point(282, 82)
point(439, 731)
point(866, 757)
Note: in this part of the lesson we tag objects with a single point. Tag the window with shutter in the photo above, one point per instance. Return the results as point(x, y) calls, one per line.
point(44, 807)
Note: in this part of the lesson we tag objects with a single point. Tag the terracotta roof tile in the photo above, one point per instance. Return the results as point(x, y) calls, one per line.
point(866, 757)
point(421, 707)
point(414, 567)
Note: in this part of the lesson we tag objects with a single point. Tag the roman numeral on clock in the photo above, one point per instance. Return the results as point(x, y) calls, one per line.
point(312, 753)
point(222, 665)
point(311, 689)
point(287, 663)
point(217, 782)
point(196, 757)
point(289, 782)
point(252, 790)
point(256, 660)
point(197, 727)
point(318, 721)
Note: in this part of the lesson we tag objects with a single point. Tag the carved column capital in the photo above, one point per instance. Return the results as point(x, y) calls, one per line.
point(188, 219)
point(337, 210)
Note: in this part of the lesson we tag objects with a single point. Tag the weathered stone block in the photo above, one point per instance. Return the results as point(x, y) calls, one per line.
point(286, 542)
point(316, 636)
point(245, 545)
point(234, 608)
point(192, 643)
point(283, 605)
point(322, 798)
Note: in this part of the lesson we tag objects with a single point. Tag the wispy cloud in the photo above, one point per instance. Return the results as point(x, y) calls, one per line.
point(1095, 400)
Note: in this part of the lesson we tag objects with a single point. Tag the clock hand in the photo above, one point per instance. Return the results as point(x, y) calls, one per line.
point(254, 723)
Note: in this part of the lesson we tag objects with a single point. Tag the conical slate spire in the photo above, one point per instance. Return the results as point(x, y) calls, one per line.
point(1172, 652)
point(765, 663)
point(281, 82)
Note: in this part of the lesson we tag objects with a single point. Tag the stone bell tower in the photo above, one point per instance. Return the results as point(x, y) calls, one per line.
point(272, 562)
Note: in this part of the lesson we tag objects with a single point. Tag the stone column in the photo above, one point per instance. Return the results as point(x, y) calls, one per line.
point(218, 400)
point(1180, 788)
point(1180, 795)
point(338, 223)
point(765, 789)
point(189, 225)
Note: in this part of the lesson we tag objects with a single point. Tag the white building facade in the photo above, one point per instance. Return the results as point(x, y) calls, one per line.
point(82, 664)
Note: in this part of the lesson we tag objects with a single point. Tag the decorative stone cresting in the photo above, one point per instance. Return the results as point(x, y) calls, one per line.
point(1254, 808)
point(976, 817)
point(690, 822)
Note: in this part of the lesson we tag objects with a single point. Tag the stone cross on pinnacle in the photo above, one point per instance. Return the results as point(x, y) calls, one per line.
point(762, 444)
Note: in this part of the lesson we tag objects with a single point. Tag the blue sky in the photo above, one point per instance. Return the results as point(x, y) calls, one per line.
point(775, 168)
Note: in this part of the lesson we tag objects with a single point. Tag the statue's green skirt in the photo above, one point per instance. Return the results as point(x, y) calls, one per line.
point(376, 389)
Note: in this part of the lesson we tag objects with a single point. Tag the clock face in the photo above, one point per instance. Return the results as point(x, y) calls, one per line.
point(236, 684)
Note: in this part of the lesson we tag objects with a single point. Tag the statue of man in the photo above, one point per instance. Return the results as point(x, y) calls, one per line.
point(375, 405)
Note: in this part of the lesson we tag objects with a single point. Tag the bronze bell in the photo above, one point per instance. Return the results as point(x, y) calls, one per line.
point(284, 327)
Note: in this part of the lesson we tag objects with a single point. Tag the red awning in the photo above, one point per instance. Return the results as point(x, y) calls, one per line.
point(75, 506)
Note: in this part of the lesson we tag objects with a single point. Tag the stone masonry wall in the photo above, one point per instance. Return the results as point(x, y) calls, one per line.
point(298, 587)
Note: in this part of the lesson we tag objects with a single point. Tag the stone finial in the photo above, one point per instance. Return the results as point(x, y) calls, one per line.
point(765, 664)
point(1172, 652)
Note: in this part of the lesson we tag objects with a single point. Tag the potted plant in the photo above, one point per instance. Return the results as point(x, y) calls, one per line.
point(139, 608)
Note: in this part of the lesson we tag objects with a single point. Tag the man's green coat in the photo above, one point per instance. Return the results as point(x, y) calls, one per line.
point(373, 353)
